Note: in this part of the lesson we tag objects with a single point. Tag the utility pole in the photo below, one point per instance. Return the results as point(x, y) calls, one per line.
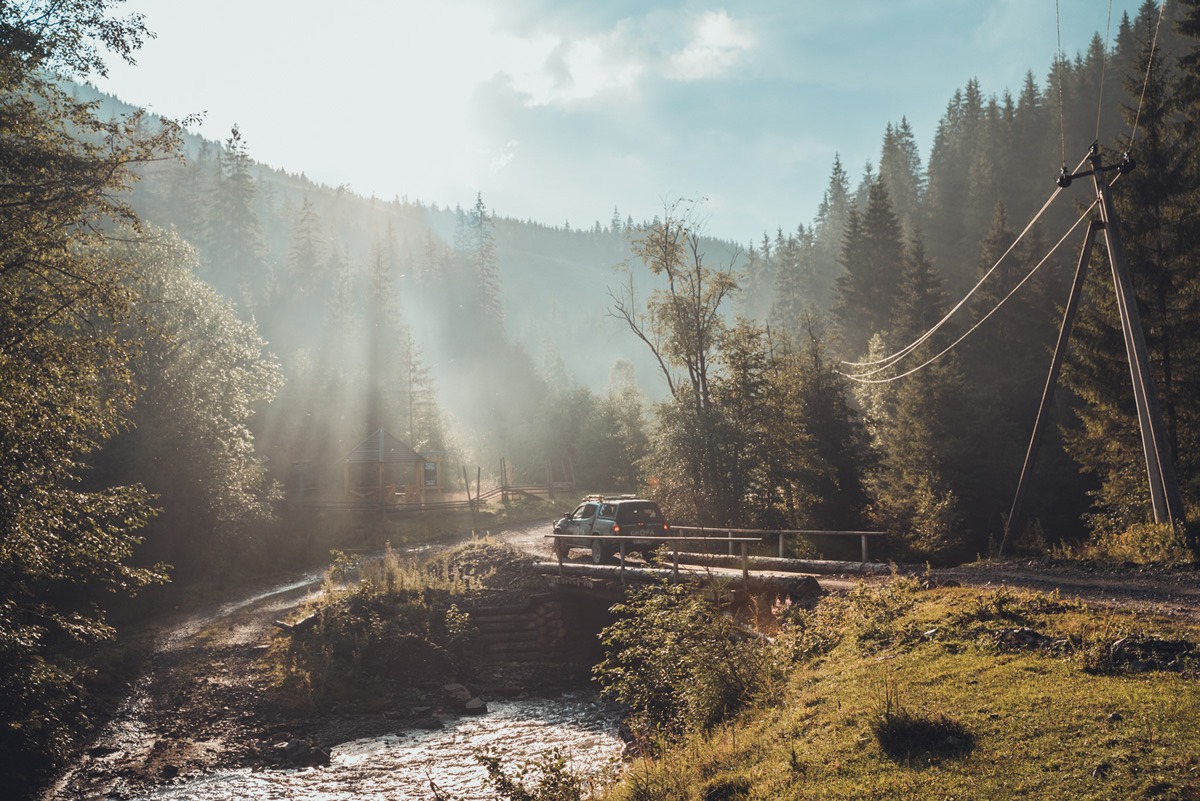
point(1156, 448)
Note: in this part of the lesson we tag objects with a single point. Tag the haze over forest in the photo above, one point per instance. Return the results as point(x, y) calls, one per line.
point(174, 357)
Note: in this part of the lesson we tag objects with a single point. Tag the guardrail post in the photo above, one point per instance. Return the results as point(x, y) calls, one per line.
point(558, 552)
point(675, 561)
point(781, 545)
point(864, 548)
point(621, 542)
point(745, 563)
point(729, 534)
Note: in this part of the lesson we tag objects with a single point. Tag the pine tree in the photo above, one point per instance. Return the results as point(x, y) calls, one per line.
point(829, 232)
point(920, 300)
point(476, 246)
point(946, 190)
point(302, 291)
point(872, 257)
point(900, 170)
point(383, 334)
point(794, 287)
point(820, 450)
point(234, 257)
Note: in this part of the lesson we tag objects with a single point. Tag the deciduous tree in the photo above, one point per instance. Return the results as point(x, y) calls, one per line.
point(64, 384)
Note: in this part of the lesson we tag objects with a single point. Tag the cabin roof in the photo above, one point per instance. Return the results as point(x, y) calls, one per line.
point(381, 448)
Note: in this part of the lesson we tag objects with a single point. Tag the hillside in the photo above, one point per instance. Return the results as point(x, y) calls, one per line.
point(554, 282)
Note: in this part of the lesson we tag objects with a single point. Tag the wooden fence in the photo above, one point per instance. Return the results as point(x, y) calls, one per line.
point(473, 502)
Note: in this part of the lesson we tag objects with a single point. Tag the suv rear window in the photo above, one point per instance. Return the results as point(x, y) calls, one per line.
point(638, 513)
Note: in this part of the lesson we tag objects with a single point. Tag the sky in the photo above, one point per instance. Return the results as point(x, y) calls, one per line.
point(559, 111)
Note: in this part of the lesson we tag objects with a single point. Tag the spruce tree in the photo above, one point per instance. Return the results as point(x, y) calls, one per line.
point(234, 255)
point(900, 170)
point(828, 232)
point(872, 257)
point(794, 290)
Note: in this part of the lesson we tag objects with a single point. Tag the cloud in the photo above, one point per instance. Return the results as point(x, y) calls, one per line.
point(504, 156)
point(565, 65)
point(717, 43)
point(574, 69)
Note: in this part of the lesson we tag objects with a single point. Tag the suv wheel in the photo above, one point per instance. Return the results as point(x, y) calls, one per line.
point(599, 552)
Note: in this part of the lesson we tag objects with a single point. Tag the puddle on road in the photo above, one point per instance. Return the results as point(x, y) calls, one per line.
point(400, 767)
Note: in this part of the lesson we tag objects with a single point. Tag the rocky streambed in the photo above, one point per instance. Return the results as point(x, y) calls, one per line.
point(431, 763)
point(205, 720)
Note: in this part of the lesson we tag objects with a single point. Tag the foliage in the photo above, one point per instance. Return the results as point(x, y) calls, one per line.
point(201, 374)
point(678, 663)
point(546, 779)
point(391, 619)
point(1155, 205)
point(65, 386)
point(1142, 543)
point(872, 257)
point(234, 258)
point(917, 432)
point(682, 325)
point(763, 433)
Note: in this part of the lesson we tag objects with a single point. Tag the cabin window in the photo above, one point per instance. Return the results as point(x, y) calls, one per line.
point(431, 477)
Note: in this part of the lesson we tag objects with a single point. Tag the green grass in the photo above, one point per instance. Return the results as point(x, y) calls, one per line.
point(921, 698)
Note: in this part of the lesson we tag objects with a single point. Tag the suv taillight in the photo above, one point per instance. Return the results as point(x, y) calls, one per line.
point(616, 528)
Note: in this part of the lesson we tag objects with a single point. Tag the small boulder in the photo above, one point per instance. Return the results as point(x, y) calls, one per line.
point(457, 692)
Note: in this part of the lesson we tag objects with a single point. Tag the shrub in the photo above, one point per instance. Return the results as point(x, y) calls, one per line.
point(1142, 543)
point(546, 779)
point(677, 662)
point(875, 610)
point(905, 734)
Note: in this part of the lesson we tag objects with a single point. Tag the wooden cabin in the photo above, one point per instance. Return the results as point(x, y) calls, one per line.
point(382, 469)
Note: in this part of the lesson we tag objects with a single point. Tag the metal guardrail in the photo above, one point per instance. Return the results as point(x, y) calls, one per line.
point(705, 535)
point(864, 536)
point(623, 539)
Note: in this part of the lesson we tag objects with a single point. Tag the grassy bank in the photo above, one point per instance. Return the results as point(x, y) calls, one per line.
point(900, 692)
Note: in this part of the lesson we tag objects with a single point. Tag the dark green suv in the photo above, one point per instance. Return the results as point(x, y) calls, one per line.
point(599, 519)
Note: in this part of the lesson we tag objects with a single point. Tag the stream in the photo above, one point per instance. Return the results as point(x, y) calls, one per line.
point(404, 765)
point(401, 767)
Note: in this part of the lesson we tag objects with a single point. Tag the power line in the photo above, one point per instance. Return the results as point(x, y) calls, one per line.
point(1059, 67)
point(1103, 69)
point(888, 361)
point(1146, 81)
point(861, 377)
